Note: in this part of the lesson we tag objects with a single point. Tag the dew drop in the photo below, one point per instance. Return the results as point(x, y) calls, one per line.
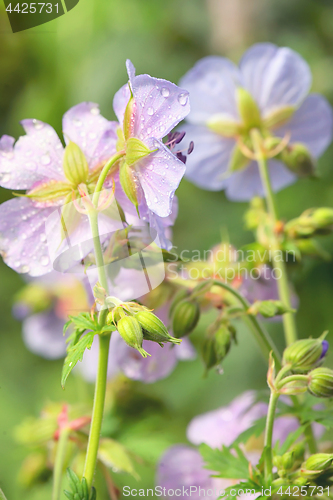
point(5, 178)
point(24, 217)
point(150, 111)
point(43, 237)
point(77, 122)
point(155, 200)
point(182, 99)
point(24, 236)
point(148, 130)
point(25, 269)
point(17, 263)
point(162, 128)
point(28, 153)
point(44, 260)
point(37, 124)
point(165, 92)
point(94, 111)
point(92, 135)
point(46, 160)
point(7, 154)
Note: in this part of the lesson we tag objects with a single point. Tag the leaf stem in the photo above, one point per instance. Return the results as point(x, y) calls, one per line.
point(2, 495)
point(278, 264)
point(59, 463)
point(104, 173)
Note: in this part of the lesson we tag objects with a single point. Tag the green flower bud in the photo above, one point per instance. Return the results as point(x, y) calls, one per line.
point(316, 465)
point(131, 331)
point(179, 296)
point(305, 354)
point(248, 109)
point(269, 308)
point(185, 317)
point(300, 481)
point(216, 346)
point(154, 329)
point(323, 217)
point(298, 159)
point(321, 383)
point(75, 164)
point(237, 160)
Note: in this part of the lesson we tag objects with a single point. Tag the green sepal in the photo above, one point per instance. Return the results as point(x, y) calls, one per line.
point(75, 164)
point(80, 490)
point(237, 161)
point(48, 191)
point(128, 116)
point(222, 126)
point(248, 109)
point(135, 151)
point(278, 117)
point(128, 183)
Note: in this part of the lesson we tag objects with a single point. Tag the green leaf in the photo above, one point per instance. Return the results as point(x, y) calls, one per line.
point(115, 455)
point(108, 328)
point(66, 326)
point(74, 337)
point(225, 462)
point(83, 320)
point(75, 354)
point(292, 437)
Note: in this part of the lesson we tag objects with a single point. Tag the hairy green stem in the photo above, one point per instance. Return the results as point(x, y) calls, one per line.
point(59, 464)
point(269, 434)
point(278, 263)
point(265, 342)
point(103, 175)
point(98, 410)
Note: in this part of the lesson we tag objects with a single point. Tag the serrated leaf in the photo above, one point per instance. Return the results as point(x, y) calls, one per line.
point(115, 455)
point(225, 462)
point(84, 321)
point(75, 354)
point(74, 337)
point(66, 326)
point(108, 328)
point(292, 437)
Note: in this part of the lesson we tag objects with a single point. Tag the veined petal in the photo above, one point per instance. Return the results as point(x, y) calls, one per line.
point(245, 184)
point(160, 105)
point(212, 84)
point(275, 76)
point(159, 175)
point(311, 124)
point(210, 158)
point(36, 157)
point(162, 225)
point(94, 134)
point(120, 102)
point(42, 334)
point(23, 242)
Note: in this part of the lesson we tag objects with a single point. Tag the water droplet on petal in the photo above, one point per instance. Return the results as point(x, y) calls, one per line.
point(162, 128)
point(37, 124)
point(150, 111)
point(25, 269)
point(23, 236)
point(46, 160)
point(44, 260)
point(155, 200)
point(94, 111)
point(43, 237)
point(24, 217)
point(182, 99)
point(77, 122)
point(92, 135)
point(17, 263)
point(165, 92)
point(9, 155)
point(5, 178)
point(148, 130)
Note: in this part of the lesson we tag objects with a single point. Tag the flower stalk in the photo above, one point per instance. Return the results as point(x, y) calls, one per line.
point(59, 464)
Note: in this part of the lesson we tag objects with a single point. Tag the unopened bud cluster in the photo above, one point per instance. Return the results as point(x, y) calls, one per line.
point(135, 323)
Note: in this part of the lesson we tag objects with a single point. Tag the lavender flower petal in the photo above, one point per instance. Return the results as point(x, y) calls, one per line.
point(275, 76)
point(311, 124)
point(210, 159)
point(22, 236)
point(120, 102)
point(36, 157)
point(212, 84)
point(96, 136)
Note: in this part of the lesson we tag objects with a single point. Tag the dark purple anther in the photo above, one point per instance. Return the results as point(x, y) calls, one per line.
point(180, 137)
point(325, 345)
point(181, 157)
point(190, 148)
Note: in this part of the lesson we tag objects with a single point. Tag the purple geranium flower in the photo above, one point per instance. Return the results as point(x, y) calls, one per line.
point(35, 164)
point(148, 109)
point(277, 82)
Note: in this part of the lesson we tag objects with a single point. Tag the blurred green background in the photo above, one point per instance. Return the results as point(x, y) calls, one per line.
point(81, 56)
